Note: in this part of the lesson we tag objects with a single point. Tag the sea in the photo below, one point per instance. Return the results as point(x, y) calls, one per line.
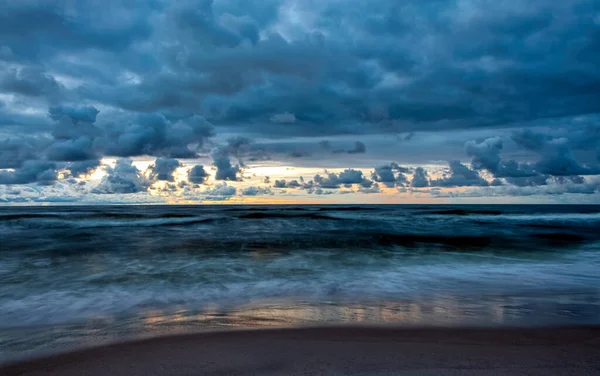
point(80, 276)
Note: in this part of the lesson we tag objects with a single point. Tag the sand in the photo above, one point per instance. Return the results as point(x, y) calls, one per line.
point(339, 351)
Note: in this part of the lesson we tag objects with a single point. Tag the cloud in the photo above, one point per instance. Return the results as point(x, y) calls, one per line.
point(347, 178)
point(15, 151)
point(220, 191)
point(31, 81)
point(460, 176)
point(124, 178)
point(163, 169)
point(265, 80)
point(486, 154)
point(86, 114)
point(78, 149)
point(197, 175)
point(154, 134)
point(287, 184)
point(225, 170)
point(284, 118)
point(40, 172)
point(359, 148)
point(256, 191)
point(420, 178)
point(390, 175)
point(82, 167)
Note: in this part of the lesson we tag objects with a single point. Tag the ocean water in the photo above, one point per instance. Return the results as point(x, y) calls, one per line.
point(79, 276)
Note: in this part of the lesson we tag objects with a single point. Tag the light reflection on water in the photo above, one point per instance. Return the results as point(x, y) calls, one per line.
point(567, 309)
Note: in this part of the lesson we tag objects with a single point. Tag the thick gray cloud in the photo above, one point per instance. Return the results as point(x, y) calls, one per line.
point(287, 184)
point(161, 79)
point(30, 81)
point(154, 134)
point(256, 191)
point(346, 178)
point(420, 178)
point(40, 172)
point(82, 167)
point(460, 176)
point(124, 178)
point(197, 174)
point(225, 170)
point(79, 149)
point(163, 169)
point(359, 148)
point(556, 159)
point(253, 65)
point(15, 151)
point(86, 114)
point(391, 175)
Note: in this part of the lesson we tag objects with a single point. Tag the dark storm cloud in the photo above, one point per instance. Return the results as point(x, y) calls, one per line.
point(390, 175)
point(168, 76)
point(32, 29)
point(79, 149)
point(86, 114)
point(163, 168)
point(154, 134)
point(41, 172)
point(15, 151)
point(407, 65)
point(346, 178)
point(124, 178)
point(460, 176)
point(420, 178)
point(197, 174)
point(556, 159)
point(359, 148)
point(82, 167)
point(225, 170)
point(30, 81)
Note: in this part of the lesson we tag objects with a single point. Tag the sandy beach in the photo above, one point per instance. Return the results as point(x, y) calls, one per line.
point(339, 351)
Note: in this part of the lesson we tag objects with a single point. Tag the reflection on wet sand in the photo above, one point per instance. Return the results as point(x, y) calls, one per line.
point(444, 311)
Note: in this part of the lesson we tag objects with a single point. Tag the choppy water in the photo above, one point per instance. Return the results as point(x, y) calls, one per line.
point(68, 274)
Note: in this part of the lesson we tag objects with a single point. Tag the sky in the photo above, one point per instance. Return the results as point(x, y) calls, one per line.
point(299, 101)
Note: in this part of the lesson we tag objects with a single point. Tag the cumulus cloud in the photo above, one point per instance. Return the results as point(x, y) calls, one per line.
point(287, 184)
point(163, 169)
point(347, 178)
point(420, 178)
point(390, 175)
point(460, 176)
point(82, 167)
point(162, 79)
point(219, 192)
point(197, 174)
point(40, 172)
point(123, 178)
point(15, 151)
point(30, 81)
point(256, 191)
point(154, 134)
point(225, 170)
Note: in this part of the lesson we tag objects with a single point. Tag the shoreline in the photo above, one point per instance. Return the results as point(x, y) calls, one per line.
point(336, 350)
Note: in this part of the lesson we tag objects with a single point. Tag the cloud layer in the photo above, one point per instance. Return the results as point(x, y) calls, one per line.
point(195, 97)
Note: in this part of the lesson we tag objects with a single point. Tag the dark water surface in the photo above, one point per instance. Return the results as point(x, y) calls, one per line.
point(75, 276)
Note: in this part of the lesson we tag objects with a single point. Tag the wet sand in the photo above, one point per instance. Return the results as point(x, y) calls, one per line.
point(338, 351)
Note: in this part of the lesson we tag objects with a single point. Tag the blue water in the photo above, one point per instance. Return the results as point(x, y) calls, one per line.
point(80, 275)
